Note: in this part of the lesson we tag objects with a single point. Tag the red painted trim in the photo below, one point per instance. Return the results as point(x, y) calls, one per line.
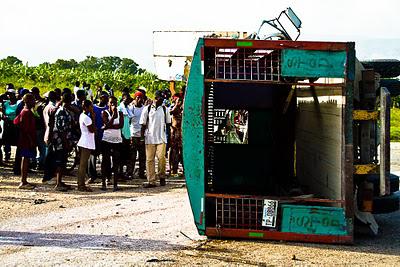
point(272, 235)
point(274, 82)
point(202, 53)
point(262, 44)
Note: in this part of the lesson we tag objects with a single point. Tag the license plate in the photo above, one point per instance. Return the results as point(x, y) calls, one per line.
point(270, 211)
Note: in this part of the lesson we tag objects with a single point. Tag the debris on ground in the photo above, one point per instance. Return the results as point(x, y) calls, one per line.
point(39, 201)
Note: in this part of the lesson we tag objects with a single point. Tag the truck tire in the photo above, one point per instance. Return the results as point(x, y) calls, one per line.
point(386, 204)
point(387, 68)
point(394, 182)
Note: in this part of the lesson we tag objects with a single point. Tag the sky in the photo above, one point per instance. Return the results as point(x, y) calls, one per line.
point(39, 31)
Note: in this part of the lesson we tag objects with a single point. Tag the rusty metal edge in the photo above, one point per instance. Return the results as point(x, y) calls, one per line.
point(281, 44)
point(274, 235)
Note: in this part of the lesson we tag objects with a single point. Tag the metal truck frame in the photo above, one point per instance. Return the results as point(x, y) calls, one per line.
point(323, 73)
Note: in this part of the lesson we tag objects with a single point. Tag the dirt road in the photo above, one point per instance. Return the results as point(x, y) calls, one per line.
point(137, 227)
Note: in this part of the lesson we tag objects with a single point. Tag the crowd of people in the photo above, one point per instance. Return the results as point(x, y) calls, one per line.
point(118, 131)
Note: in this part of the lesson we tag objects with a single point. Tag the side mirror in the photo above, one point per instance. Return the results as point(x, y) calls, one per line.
point(293, 18)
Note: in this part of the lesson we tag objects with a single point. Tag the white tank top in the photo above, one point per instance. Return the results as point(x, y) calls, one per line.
point(112, 135)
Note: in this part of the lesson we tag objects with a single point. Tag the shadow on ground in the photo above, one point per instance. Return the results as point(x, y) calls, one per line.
point(83, 241)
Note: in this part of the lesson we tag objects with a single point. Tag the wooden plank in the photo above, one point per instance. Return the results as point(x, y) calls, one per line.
point(305, 63)
point(365, 115)
point(385, 143)
point(366, 169)
point(274, 235)
point(277, 44)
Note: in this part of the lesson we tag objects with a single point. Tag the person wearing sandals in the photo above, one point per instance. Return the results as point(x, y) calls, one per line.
point(61, 140)
point(113, 121)
point(27, 138)
point(86, 142)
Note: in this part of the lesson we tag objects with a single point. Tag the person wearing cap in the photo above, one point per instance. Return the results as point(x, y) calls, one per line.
point(143, 90)
point(138, 149)
point(154, 120)
point(146, 101)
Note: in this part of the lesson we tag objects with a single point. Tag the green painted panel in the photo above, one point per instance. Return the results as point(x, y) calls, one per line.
point(244, 44)
point(313, 220)
point(307, 63)
point(193, 139)
point(255, 234)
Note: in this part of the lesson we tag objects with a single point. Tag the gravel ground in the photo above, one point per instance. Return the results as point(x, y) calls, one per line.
point(138, 226)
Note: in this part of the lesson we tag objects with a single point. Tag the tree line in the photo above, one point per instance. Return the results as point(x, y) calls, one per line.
point(115, 71)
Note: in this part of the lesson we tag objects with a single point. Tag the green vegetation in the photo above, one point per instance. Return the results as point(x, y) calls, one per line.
point(395, 124)
point(116, 72)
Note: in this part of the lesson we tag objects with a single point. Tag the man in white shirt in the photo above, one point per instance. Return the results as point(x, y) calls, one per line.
point(154, 120)
point(137, 142)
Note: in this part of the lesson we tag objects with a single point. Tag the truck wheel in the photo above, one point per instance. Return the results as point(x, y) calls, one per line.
point(387, 68)
point(386, 204)
point(394, 183)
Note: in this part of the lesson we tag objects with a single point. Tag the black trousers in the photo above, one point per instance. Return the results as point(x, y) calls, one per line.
point(110, 162)
point(138, 152)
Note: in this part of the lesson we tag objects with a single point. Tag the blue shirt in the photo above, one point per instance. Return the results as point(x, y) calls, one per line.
point(99, 119)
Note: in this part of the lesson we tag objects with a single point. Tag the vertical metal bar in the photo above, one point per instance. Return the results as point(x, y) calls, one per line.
point(215, 63)
point(256, 214)
point(237, 65)
point(265, 68)
point(244, 64)
point(216, 211)
point(249, 212)
point(224, 69)
point(223, 211)
point(347, 156)
point(242, 212)
point(279, 65)
point(272, 69)
point(258, 70)
point(384, 183)
point(236, 206)
point(251, 69)
point(229, 212)
point(230, 65)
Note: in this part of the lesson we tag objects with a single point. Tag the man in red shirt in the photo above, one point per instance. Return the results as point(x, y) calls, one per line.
point(27, 138)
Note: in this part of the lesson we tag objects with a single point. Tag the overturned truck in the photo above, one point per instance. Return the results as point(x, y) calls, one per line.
point(285, 140)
